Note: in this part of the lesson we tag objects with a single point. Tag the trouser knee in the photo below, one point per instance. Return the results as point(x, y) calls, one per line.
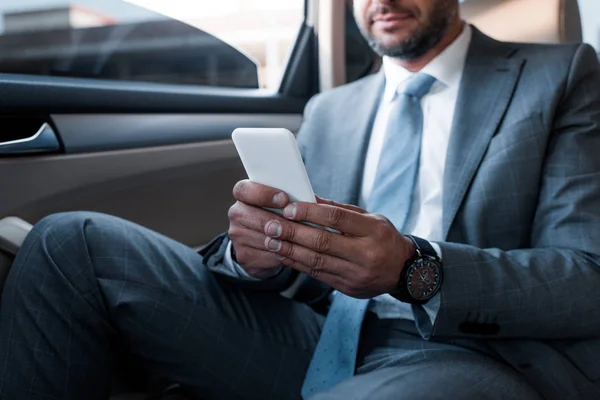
point(62, 243)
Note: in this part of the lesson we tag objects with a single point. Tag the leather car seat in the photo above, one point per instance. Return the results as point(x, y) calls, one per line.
point(548, 21)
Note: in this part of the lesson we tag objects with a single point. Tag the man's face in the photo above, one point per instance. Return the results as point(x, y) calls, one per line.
point(404, 29)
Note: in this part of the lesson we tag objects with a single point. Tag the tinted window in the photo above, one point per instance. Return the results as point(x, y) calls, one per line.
point(113, 39)
point(590, 19)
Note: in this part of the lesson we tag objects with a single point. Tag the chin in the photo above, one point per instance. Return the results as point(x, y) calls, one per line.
point(392, 43)
point(393, 38)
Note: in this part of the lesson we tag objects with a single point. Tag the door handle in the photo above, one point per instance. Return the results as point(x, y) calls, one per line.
point(43, 141)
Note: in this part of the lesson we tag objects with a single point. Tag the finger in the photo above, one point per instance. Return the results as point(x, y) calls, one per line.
point(345, 284)
point(242, 236)
point(315, 261)
point(337, 282)
point(314, 238)
point(332, 280)
point(250, 250)
point(341, 219)
point(255, 259)
point(350, 207)
point(251, 217)
point(259, 195)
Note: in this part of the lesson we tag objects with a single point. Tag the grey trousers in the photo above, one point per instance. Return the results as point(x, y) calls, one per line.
point(88, 292)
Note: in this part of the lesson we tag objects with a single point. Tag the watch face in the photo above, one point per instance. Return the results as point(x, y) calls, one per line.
point(423, 279)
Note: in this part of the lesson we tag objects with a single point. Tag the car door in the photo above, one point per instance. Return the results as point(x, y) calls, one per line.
point(126, 106)
point(120, 108)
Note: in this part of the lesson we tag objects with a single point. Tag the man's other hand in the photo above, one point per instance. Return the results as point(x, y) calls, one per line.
point(363, 260)
point(247, 220)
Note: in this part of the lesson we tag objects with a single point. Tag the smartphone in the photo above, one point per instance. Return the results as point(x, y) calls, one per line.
point(271, 157)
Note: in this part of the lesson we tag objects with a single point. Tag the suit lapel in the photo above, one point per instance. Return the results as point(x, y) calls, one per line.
point(354, 130)
point(488, 84)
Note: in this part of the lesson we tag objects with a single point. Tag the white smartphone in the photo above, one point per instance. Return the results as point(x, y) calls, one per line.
point(271, 157)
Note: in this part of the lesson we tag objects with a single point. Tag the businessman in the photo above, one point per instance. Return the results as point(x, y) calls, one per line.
point(462, 186)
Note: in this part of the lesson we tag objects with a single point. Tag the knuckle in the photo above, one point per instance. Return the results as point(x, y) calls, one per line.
point(234, 211)
point(290, 231)
point(322, 242)
point(239, 189)
point(317, 263)
point(335, 216)
point(312, 272)
point(381, 229)
point(242, 254)
point(365, 279)
point(231, 212)
point(373, 257)
point(288, 251)
point(233, 232)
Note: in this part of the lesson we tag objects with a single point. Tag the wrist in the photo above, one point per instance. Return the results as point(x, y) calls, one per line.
point(411, 249)
point(263, 273)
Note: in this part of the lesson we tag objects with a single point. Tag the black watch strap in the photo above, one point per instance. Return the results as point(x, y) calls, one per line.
point(424, 247)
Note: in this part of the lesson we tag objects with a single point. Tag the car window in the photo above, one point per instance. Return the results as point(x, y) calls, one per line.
point(242, 44)
point(590, 19)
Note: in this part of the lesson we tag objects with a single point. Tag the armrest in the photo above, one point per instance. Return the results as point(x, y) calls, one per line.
point(13, 232)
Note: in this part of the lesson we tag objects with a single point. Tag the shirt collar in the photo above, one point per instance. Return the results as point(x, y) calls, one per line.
point(446, 68)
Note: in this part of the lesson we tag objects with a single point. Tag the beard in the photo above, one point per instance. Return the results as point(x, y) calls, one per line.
point(420, 40)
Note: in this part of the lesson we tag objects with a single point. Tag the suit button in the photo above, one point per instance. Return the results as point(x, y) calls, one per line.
point(470, 328)
point(473, 328)
point(490, 329)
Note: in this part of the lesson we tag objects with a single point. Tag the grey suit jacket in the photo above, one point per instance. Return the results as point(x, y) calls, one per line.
point(521, 204)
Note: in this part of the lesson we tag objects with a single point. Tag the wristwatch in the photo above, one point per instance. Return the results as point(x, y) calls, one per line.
point(421, 278)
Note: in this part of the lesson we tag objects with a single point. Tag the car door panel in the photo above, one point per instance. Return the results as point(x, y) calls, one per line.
point(126, 152)
point(182, 191)
point(101, 132)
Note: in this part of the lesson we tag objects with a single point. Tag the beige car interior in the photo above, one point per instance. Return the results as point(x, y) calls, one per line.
point(548, 21)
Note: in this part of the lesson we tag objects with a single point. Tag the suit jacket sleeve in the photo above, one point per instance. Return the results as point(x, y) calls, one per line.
point(551, 289)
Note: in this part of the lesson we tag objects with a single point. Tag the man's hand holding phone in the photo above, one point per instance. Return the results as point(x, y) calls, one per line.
point(247, 220)
point(363, 260)
point(361, 255)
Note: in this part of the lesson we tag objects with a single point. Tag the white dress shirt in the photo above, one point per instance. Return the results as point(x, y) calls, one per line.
point(425, 218)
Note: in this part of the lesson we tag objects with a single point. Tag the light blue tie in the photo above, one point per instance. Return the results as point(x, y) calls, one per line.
point(399, 160)
point(334, 358)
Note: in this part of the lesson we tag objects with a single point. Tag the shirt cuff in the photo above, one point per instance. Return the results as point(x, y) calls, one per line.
point(437, 249)
point(432, 308)
point(231, 268)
